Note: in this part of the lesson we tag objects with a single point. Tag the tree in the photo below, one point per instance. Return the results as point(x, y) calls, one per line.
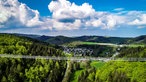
point(3, 79)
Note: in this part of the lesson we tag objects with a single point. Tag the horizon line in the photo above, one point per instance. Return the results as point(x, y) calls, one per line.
point(70, 36)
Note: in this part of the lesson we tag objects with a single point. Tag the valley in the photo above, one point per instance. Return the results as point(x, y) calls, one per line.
point(28, 59)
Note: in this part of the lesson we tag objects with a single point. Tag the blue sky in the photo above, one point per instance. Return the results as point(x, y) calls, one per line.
point(100, 5)
point(123, 18)
point(44, 5)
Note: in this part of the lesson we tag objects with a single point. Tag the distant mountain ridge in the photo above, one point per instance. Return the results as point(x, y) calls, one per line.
point(139, 39)
point(59, 40)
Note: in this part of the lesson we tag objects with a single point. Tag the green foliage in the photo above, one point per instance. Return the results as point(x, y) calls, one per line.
point(138, 40)
point(134, 52)
point(11, 44)
point(112, 72)
point(59, 40)
point(29, 70)
point(97, 64)
point(3, 79)
point(38, 70)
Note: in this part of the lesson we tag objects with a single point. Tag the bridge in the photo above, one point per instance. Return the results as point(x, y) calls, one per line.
point(52, 57)
point(71, 58)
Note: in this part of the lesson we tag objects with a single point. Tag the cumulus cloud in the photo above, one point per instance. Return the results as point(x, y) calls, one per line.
point(66, 16)
point(63, 9)
point(17, 14)
point(139, 21)
point(66, 13)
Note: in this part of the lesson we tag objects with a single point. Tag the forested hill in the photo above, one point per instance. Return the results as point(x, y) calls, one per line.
point(29, 70)
point(41, 70)
point(140, 39)
point(59, 40)
point(63, 39)
point(13, 44)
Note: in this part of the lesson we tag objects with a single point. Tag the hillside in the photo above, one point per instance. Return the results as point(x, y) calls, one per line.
point(62, 39)
point(59, 40)
point(13, 44)
point(29, 70)
point(138, 40)
point(103, 39)
point(39, 70)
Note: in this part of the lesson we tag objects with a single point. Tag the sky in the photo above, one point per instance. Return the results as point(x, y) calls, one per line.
point(120, 18)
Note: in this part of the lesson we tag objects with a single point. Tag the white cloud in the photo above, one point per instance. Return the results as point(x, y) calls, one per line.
point(28, 16)
point(139, 21)
point(96, 23)
point(69, 12)
point(64, 9)
point(66, 16)
point(111, 21)
point(66, 26)
point(17, 14)
point(119, 9)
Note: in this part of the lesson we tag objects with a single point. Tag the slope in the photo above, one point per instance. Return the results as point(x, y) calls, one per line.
point(29, 70)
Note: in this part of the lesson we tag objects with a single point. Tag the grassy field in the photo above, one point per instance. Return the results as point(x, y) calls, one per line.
point(136, 45)
point(74, 44)
point(97, 64)
point(95, 43)
point(77, 73)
